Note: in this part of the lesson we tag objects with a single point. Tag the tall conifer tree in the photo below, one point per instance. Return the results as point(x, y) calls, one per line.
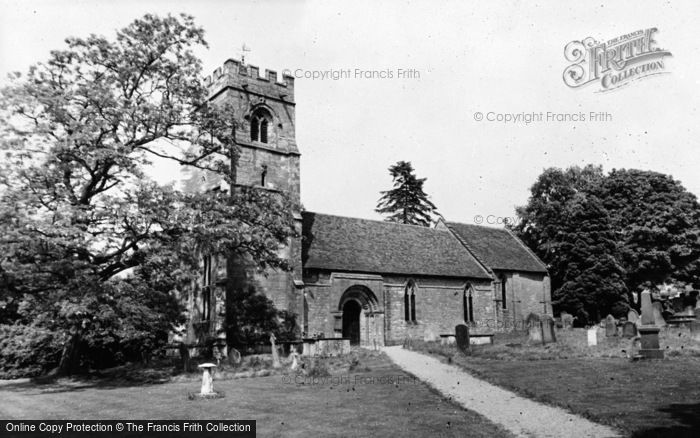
point(406, 203)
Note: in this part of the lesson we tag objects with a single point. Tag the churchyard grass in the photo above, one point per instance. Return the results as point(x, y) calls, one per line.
point(642, 398)
point(356, 399)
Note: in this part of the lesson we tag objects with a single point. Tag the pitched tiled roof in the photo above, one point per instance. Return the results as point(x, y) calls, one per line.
point(361, 245)
point(497, 248)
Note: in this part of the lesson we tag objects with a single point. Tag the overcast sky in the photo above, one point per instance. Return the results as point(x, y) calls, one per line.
point(486, 56)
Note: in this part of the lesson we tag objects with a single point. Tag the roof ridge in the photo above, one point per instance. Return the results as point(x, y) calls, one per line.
point(375, 220)
point(363, 245)
point(484, 227)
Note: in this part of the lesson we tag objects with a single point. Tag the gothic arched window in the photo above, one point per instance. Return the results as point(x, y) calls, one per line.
point(409, 301)
point(503, 292)
point(259, 123)
point(468, 304)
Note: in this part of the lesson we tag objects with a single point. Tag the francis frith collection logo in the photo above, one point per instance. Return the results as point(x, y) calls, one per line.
point(614, 63)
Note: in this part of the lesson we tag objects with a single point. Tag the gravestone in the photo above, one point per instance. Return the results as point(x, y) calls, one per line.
point(234, 356)
point(462, 337)
point(648, 332)
point(632, 316)
point(610, 326)
point(592, 336)
point(697, 313)
point(548, 335)
point(629, 330)
point(567, 320)
point(657, 309)
point(275, 353)
point(647, 312)
point(217, 355)
point(185, 357)
point(534, 327)
point(429, 335)
point(295, 359)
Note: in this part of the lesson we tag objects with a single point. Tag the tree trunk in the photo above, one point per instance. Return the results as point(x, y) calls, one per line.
point(70, 357)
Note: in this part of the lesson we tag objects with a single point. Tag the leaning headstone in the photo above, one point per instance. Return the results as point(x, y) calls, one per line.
point(592, 336)
point(567, 320)
point(462, 337)
point(657, 309)
point(648, 332)
point(632, 316)
point(610, 326)
point(534, 327)
point(629, 330)
point(275, 353)
point(548, 335)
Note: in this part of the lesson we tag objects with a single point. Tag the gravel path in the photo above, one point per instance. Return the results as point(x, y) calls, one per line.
point(519, 415)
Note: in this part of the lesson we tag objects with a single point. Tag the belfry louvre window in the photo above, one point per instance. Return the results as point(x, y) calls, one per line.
point(259, 123)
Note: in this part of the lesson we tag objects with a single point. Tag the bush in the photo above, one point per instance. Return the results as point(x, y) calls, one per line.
point(27, 351)
point(252, 316)
point(319, 369)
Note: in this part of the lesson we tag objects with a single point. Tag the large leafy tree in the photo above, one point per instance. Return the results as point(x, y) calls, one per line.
point(91, 247)
point(650, 217)
point(657, 222)
point(406, 203)
point(591, 278)
point(572, 233)
point(543, 218)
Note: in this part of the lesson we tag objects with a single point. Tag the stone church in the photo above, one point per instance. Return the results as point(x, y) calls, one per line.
point(376, 283)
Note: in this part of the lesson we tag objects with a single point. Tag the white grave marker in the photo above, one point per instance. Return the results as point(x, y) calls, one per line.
point(592, 336)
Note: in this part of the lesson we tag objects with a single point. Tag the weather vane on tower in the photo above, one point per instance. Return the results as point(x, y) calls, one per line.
point(244, 49)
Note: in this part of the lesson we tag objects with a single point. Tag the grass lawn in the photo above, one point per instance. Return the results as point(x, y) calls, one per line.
point(659, 398)
point(357, 402)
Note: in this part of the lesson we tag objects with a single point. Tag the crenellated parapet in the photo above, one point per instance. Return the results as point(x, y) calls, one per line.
point(237, 75)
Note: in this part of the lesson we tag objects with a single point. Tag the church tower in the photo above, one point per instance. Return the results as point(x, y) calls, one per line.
point(266, 127)
point(269, 160)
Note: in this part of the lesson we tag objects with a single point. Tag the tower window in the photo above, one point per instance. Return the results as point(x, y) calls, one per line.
point(263, 131)
point(263, 174)
point(259, 123)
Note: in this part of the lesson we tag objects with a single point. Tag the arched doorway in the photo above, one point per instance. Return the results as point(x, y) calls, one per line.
point(351, 321)
point(362, 320)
